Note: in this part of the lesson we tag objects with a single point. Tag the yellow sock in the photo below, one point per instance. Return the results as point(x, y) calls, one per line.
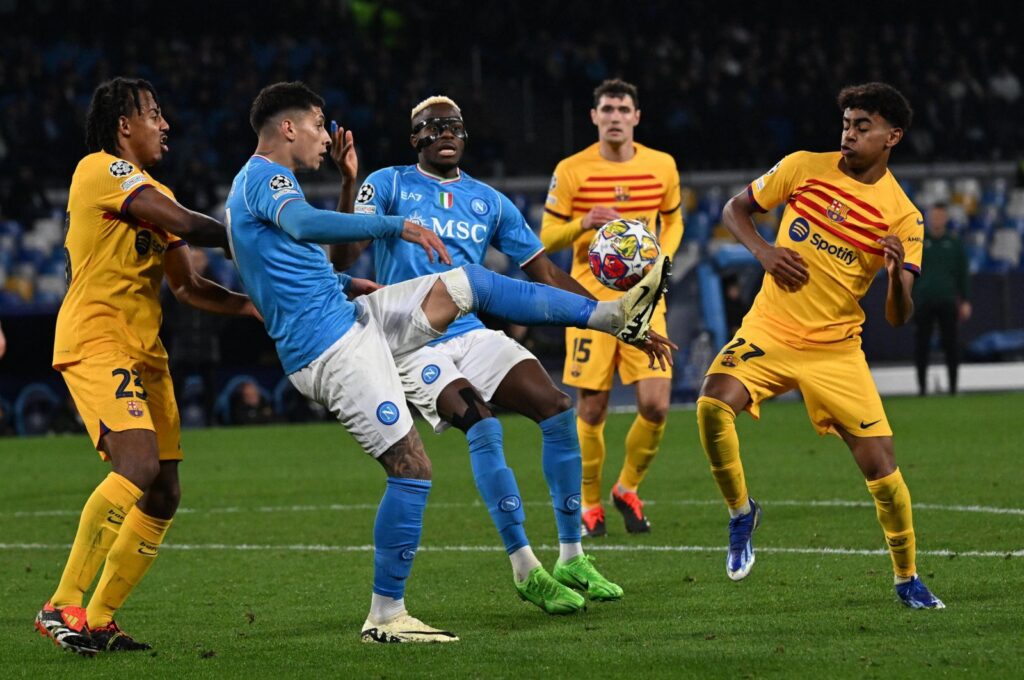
point(130, 558)
point(717, 424)
point(892, 506)
point(593, 453)
point(101, 520)
point(642, 443)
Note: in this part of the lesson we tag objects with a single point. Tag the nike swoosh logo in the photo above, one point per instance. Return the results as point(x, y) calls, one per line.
point(920, 220)
point(865, 426)
point(147, 553)
point(645, 289)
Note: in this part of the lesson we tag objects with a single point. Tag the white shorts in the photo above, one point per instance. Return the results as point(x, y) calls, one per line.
point(356, 378)
point(483, 357)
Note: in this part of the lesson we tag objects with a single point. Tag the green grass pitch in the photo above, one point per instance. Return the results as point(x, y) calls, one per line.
point(267, 570)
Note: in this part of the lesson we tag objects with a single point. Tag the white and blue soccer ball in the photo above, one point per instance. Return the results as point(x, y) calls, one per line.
point(621, 252)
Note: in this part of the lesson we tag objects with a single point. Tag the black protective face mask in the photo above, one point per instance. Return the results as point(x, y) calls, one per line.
point(435, 127)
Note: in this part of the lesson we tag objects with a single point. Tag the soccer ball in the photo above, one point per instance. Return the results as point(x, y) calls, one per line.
point(621, 252)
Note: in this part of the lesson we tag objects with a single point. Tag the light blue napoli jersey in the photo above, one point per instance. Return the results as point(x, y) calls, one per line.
point(291, 282)
point(467, 214)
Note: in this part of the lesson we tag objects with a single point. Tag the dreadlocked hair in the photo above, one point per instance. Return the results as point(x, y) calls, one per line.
point(111, 100)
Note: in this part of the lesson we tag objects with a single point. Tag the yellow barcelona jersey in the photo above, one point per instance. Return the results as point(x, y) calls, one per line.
point(644, 188)
point(834, 222)
point(115, 265)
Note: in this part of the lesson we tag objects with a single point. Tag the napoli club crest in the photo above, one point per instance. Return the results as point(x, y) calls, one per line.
point(387, 413)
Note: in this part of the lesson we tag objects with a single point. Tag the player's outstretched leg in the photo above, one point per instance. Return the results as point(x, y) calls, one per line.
point(531, 304)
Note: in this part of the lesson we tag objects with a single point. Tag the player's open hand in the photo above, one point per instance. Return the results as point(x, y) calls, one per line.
point(357, 287)
point(343, 151)
point(786, 266)
point(892, 249)
point(427, 239)
point(599, 216)
point(658, 349)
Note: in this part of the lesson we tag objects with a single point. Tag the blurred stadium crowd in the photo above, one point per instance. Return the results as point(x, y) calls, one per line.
point(716, 91)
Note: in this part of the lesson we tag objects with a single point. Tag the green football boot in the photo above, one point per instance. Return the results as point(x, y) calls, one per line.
point(580, 574)
point(544, 591)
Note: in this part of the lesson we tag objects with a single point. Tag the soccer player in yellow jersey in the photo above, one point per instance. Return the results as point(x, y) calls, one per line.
point(615, 177)
point(845, 218)
point(124, 234)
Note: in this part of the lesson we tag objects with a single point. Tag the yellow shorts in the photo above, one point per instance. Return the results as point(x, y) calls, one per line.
point(592, 356)
point(114, 392)
point(835, 381)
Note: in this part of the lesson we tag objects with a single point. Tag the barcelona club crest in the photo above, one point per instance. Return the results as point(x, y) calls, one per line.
point(134, 408)
point(837, 211)
point(621, 193)
point(729, 361)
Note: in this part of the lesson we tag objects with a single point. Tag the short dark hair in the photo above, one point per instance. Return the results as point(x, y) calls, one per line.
point(273, 99)
point(618, 88)
point(111, 100)
point(880, 98)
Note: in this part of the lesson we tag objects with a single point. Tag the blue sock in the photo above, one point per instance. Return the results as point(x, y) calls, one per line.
point(497, 483)
point(396, 533)
point(529, 304)
point(563, 470)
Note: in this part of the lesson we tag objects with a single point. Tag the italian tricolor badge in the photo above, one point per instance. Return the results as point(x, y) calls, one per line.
point(446, 198)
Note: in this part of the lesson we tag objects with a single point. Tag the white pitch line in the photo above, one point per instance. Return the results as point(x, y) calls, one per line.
point(255, 547)
point(347, 507)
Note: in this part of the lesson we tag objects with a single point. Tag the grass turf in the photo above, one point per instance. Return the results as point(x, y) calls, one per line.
point(303, 498)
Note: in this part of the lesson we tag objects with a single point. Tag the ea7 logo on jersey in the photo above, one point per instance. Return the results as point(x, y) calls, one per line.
point(366, 193)
point(121, 168)
point(411, 196)
point(281, 182)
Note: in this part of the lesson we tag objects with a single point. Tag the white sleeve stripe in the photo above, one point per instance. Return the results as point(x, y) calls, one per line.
point(531, 258)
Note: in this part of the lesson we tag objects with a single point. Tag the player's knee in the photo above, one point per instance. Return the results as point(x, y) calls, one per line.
point(712, 414)
point(470, 411)
point(407, 459)
point(140, 469)
point(655, 411)
point(593, 409)
point(551, 404)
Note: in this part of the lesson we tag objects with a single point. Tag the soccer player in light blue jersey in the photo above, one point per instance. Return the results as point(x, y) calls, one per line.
point(342, 353)
point(451, 380)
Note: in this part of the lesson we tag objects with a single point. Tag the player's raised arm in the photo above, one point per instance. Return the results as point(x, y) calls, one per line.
point(343, 153)
point(784, 264)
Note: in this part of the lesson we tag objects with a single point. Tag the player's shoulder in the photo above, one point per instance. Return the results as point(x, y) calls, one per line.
point(103, 164)
point(263, 174)
point(391, 173)
point(579, 159)
point(901, 206)
point(654, 156)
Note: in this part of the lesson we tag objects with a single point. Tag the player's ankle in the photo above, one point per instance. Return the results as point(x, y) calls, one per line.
point(744, 509)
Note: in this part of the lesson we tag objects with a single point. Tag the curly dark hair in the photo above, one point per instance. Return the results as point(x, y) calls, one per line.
point(273, 99)
point(111, 100)
point(616, 87)
point(880, 98)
